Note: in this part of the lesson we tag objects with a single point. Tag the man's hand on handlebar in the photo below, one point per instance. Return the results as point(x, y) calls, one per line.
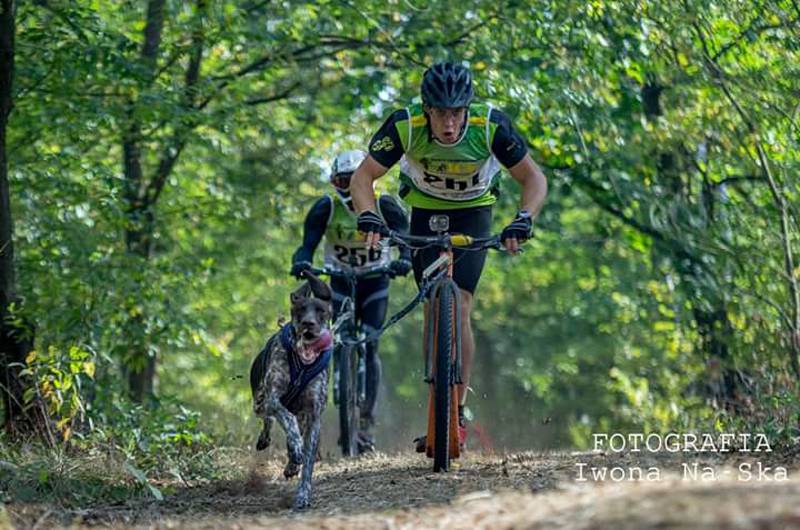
point(400, 267)
point(299, 267)
point(373, 226)
point(517, 232)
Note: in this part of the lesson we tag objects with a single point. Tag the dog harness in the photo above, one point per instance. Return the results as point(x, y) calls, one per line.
point(305, 361)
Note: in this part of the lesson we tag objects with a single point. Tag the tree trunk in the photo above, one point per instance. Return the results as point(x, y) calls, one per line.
point(140, 365)
point(142, 193)
point(7, 282)
point(16, 340)
point(724, 385)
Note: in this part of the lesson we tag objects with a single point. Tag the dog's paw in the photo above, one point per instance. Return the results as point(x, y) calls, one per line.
point(263, 440)
point(302, 499)
point(296, 454)
point(291, 470)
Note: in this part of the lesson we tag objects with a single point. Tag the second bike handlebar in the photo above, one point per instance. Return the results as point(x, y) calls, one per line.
point(351, 274)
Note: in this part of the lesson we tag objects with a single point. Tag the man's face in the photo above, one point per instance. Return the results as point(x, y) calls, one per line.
point(446, 123)
point(342, 180)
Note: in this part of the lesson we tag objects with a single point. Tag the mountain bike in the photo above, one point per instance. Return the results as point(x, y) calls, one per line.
point(349, 357)
point(443, 347)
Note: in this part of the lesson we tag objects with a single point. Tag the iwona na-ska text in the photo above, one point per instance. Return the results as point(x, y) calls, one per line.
point(683, 443)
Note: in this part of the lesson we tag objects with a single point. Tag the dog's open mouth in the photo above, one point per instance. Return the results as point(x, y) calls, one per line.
point(311, 345)
point(310, 335)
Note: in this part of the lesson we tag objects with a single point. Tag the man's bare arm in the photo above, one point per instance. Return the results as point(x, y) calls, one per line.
point(361, 184)
point(534, 184)
point(363, 193)
point(534, 190)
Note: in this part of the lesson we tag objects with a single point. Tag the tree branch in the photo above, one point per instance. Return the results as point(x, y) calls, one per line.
point(747, 32)
point(280, 95)
point(262, 63)
point(595, 189)
point(268, 59)
point(739, 178)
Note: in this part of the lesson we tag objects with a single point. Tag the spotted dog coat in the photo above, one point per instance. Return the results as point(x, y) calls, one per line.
point(270, 379)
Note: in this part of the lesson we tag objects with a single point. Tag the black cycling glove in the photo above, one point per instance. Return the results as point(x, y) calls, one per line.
point(521, 228)
point(400, 267)
point(298, 268)
point(369, 221)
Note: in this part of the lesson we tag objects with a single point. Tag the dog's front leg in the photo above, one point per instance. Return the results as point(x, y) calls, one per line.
point(311, 420)
point(264, 438)
point(294, 442)
point(311, 438)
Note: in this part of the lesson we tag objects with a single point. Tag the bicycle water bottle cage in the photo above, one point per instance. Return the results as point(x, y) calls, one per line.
point(439, 223)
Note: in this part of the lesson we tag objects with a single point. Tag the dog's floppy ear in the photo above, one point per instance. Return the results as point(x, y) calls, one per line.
point(304, 291)
point(318, 287)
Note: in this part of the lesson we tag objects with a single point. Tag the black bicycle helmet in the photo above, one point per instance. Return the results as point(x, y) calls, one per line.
point(447, 85)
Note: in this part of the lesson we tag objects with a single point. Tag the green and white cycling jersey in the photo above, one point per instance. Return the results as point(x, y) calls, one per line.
point(448, 176)
point(331, 219)
point(461, 171)
point(345, 246)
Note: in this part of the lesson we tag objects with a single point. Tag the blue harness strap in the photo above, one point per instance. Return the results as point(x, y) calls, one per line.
point(300, 375)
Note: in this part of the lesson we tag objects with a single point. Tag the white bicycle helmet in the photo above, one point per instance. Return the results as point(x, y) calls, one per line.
point(343, 167)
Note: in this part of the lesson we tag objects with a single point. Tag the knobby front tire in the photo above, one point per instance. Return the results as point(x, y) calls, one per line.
point(444, 310)
point(348, 401)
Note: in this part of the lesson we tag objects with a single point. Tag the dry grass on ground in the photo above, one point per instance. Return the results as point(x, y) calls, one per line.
point(524, 490)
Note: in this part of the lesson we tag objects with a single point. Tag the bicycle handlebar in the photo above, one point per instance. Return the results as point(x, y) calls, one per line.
point(412, 242)
point(345, 274)
point(447, 241)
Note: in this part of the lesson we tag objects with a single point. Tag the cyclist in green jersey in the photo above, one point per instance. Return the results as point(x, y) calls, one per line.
point(451, 150)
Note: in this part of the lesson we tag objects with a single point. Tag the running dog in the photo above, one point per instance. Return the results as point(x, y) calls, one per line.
point(289, 381)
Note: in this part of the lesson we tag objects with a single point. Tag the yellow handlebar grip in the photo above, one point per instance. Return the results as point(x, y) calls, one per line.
point(460, 240)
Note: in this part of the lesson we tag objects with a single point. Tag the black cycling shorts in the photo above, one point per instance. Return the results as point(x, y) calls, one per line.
point(468, 264)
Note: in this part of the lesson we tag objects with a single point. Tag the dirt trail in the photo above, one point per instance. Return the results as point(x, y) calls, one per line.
point(524, 490)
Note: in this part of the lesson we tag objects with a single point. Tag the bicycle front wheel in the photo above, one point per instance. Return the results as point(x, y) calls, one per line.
point(348, 400)
point(444, 308)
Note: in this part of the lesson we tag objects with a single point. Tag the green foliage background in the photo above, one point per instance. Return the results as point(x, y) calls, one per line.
point(661, 289)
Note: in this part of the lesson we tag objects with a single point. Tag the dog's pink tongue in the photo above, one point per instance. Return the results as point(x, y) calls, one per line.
point(323, 342)
point(309, 352)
